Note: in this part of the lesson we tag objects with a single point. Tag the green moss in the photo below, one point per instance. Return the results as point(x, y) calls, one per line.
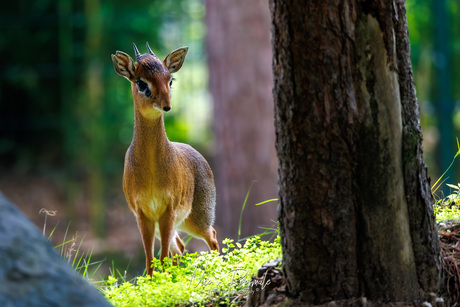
point(411, 138)
point(448, 208)
point(199, 279)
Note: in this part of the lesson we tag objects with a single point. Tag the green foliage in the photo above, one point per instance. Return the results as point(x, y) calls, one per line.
point(446, 213)
point(438, 182)
point(198, 279)
point(448, 208)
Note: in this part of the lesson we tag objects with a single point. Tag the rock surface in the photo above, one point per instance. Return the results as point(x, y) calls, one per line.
point(31, 272)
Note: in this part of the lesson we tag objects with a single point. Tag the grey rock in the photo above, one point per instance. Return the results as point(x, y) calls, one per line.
point(31, 271)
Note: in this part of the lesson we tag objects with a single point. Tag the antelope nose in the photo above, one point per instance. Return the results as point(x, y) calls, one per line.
point(166, 108)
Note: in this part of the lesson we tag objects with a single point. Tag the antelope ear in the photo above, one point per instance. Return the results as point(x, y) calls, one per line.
point(124, 65)
point(175, 59)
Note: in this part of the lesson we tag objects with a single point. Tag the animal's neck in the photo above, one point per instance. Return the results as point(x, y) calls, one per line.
point(149, 140)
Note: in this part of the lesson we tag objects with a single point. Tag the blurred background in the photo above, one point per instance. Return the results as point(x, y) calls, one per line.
point(66, 117)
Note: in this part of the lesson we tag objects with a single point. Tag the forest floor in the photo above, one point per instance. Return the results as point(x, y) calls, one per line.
point(449, 234)
point(122, 244)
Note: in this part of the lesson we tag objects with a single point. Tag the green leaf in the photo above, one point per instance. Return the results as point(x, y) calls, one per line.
point(452, 186)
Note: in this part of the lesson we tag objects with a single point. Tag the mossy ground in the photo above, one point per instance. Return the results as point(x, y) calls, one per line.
point(205, 279)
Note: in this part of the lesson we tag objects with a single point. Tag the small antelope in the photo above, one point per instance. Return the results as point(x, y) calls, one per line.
point(169, 186)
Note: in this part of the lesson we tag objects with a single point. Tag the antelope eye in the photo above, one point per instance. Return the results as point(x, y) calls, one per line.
point(171, 81)
point(141, 85)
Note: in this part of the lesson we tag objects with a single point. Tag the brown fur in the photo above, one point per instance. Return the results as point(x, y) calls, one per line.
point(169, 186)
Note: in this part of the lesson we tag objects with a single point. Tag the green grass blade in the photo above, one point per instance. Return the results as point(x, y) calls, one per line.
point(97, 269)
point(76, 254)
point(252, 236)
point(64, 240)
point(188, 240)
point(436, 186)
point(268, 228)
point(83, 255)
point(64, 243)
point(87, 263)
point(267, 201)
point(242, 209)
point(122, 276)
point(440, 184)
point(52, 231)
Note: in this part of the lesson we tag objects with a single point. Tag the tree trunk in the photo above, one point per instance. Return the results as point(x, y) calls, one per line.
point(93, 128)
point(239, 56)
point(355, 210)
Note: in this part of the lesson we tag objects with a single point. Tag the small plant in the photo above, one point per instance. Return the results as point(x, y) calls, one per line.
point(448, 208)
point(199, 279)
point(438, 182)
point(70, 250)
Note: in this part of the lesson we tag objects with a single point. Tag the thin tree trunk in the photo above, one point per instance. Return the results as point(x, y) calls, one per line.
point(239, 56)
point(94, 126)
point(355, 204)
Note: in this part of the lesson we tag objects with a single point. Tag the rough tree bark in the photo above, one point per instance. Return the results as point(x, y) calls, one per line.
point(355, 210)
point(239, 57)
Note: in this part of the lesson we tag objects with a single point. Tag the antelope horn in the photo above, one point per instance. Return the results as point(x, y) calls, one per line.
point(136, 51)
point(150, 50)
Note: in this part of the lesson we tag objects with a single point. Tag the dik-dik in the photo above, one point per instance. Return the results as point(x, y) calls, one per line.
point(169, 186)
